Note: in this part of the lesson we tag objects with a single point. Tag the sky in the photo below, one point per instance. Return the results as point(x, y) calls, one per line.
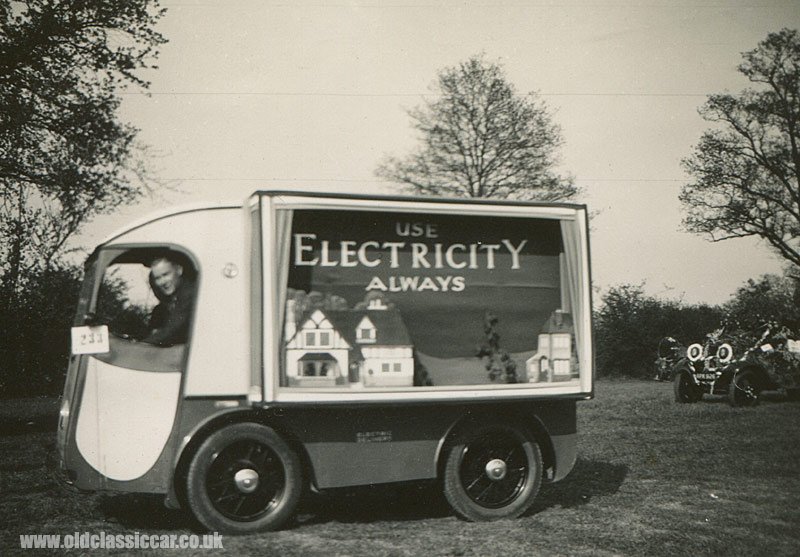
point(311, 95)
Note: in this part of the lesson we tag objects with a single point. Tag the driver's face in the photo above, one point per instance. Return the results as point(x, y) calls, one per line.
point(166, 276)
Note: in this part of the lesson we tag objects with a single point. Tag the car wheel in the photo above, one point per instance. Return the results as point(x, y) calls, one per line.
point(686, 391)
point(492, 472)
point(744, 389)
point(243, 478)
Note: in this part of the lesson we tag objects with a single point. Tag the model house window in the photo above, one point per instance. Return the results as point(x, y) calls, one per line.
point(561, 367)
point(544, 342)
point(561, 341)
point(398, 367)
point(385, 368)
point(311, 339)
point(366, 334)
point(324, 339)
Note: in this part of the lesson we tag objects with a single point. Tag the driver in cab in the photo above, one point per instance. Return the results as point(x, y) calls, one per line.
point(169, 320)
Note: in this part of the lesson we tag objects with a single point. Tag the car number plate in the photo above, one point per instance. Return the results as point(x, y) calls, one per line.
point(90, 340)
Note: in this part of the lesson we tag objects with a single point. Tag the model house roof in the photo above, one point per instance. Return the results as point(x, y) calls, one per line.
point(558, 322)
point(316, 357)
point(389, 327)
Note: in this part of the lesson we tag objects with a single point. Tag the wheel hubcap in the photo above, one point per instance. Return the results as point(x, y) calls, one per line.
point(496, 469)
point(246, 480)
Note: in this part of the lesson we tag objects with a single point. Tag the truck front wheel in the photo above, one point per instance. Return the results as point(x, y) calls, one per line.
point(492, 472)
point(244, 478)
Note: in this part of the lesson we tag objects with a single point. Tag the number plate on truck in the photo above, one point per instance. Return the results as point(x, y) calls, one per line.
point(90, 340)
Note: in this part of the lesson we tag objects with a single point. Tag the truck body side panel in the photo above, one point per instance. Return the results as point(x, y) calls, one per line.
point(369, 445)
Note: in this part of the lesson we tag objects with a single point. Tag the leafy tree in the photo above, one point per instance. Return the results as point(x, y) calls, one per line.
point(629, 325)
point(481, 139)
point(768, 298)
point(497, 360)
point(33, 361)
point(746, 170)
point(64, 154)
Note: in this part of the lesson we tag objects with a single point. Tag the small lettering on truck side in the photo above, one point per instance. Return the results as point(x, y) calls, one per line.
point(373, 436)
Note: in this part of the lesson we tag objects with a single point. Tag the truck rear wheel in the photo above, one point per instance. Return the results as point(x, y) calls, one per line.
point(244, 478)
point(492, 472)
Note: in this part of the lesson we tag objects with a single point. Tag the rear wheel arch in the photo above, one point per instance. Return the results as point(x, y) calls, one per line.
point(492, 466)
point(470, 421)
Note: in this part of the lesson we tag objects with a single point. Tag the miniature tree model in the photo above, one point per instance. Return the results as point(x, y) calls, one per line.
point(497, 361)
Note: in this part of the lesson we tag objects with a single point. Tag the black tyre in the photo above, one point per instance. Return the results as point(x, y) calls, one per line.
point(492, 472)
point(244, 478)
point(686, 390)
point(744, 389)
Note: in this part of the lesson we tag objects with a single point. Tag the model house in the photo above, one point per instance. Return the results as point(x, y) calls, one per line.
point(367, 347)
point(553, 358)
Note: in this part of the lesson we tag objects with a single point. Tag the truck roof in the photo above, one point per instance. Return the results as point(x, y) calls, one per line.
point(205, 206)
point(170, 212)
point(421, 199)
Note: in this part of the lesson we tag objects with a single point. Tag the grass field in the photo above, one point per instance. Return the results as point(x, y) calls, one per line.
point(653, 478)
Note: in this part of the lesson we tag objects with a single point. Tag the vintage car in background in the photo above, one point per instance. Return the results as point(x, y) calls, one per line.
point(670, 351)
point(771, 363)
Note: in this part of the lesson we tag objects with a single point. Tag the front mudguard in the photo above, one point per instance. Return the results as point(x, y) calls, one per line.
point(684, 364)
point(729, 373)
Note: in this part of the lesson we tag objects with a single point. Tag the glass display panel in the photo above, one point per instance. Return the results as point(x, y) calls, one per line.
point(383, 300)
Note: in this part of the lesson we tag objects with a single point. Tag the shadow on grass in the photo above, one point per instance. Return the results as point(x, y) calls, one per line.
point(24, 426)
point(589, 478)
point(144, 512)
point(407, 502)
point(392, 502)
point(357, 505)
point(765, 396)
point(380, 503)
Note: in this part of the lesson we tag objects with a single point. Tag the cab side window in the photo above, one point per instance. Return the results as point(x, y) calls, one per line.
point(148, 295)
point(125, 300)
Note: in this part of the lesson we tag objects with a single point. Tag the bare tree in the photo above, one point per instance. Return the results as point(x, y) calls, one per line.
point(746, 170)
point(479, 138)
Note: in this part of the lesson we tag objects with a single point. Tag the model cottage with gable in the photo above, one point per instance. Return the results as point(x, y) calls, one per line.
point(367, 347)
point(553, 360)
